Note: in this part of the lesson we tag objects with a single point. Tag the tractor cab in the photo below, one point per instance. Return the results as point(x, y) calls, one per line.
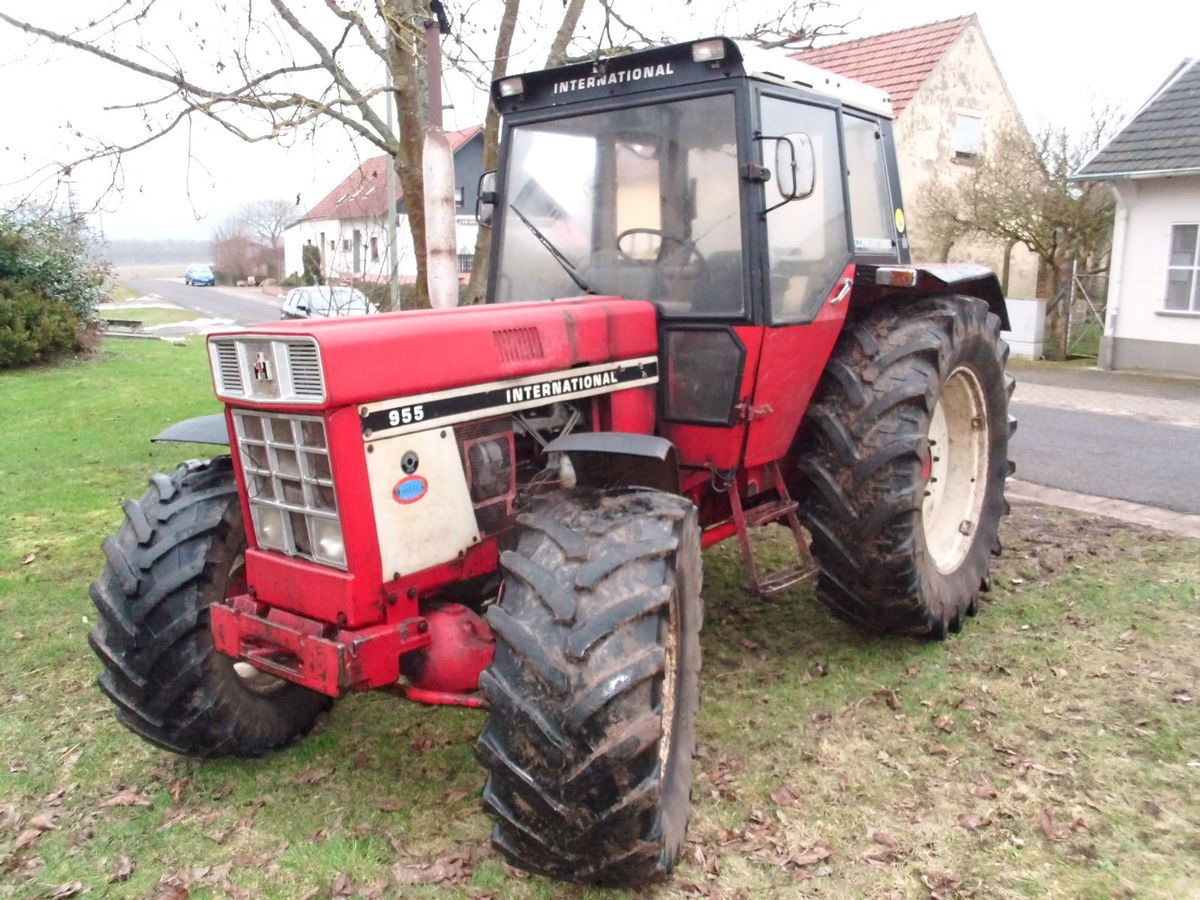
point(685, 176)
point(732, 189)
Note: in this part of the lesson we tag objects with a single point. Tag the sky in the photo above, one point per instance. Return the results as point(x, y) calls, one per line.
point(1058, 58)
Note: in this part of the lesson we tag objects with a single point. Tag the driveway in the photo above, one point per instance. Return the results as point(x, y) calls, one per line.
point(238, 306)
point(1122, 436)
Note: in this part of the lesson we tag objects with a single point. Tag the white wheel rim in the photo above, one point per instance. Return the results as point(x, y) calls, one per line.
point(957, 470)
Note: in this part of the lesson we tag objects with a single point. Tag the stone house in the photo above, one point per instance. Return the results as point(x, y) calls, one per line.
point(950, 102)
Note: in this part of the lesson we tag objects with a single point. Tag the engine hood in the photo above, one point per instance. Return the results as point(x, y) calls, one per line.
point(367, 358)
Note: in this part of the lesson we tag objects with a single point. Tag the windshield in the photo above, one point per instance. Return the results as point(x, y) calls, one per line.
point(640, 202)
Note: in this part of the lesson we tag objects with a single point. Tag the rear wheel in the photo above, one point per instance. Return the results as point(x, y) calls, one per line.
point(180, 549)
point(902, 462)
point(595, 686)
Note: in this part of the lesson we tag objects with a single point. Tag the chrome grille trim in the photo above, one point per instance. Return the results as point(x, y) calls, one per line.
point(305, 365)
point(228, 369)
point(288, 475)
point(293, 368)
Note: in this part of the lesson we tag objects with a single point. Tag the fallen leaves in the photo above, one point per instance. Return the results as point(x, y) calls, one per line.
point(313, 775)
point(127, 797)
point(67, 889)
point(786, 795)
point(122, 870)
point(445, 869)
point(972, 822)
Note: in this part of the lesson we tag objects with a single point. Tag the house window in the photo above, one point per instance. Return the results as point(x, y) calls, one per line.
point(345, 245)
point(1183, 270)
point(459, 198)
point(968, 136)
point(374, 249)
point(465, 262)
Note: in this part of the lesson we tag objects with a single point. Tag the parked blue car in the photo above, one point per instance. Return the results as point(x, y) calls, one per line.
point(199, 275)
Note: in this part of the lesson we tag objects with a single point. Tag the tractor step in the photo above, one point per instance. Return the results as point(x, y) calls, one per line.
point(771, 511)
point(782, 510)
point(785, 578)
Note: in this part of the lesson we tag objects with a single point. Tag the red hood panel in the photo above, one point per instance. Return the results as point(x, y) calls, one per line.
point(406, 353)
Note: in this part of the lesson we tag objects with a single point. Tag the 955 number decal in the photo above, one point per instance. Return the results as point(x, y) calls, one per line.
point(406, 415)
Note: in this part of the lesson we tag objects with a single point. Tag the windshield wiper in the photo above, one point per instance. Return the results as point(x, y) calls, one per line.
point(554, 251)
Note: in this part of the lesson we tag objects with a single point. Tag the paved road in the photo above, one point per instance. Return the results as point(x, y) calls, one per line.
point(1109, 455)
point(214, 302)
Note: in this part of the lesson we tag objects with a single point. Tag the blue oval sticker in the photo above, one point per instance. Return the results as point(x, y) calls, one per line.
point(410, 490)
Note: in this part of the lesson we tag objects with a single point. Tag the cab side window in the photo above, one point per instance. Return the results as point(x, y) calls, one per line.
point(806, 238)
point(870, 196)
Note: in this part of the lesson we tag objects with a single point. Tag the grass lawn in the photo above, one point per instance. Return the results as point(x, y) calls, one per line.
point(1051, 750)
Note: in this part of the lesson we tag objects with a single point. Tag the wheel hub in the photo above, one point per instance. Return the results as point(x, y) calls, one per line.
point(956, 470)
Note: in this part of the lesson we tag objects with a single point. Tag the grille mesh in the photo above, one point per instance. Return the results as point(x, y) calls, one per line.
point(289, 480)
point(228, 370)
point(517, 344)
point(492, 514)
point(306, 370)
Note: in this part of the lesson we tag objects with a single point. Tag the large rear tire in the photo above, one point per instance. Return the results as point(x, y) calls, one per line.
point(180, 550)
point(594, 687)
point(902, 460)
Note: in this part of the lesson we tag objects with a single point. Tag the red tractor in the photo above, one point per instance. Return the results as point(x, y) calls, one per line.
point(701, 318)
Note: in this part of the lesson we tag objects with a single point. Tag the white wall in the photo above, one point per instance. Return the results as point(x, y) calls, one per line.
point(1146, 210)
point(338, 258)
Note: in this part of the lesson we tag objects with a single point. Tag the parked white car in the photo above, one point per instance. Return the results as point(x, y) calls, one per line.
point(326, 302)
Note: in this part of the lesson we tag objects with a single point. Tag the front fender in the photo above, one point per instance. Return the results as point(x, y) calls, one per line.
point(200, 430)
point(617, 458)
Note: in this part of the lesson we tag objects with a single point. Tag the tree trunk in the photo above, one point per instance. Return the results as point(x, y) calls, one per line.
point(477, 286)
point(558, 50)
point(407, 52)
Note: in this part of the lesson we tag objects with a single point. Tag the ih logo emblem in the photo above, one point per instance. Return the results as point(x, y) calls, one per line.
point(262, 369)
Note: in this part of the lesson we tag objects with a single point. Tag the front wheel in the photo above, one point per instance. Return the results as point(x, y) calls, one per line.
point(179, 551)
point(595, 686)
point(902, 461)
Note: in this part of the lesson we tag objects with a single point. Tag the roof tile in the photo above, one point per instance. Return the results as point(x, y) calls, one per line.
point(898, 61)
point(363, 193)
point(1163, 135)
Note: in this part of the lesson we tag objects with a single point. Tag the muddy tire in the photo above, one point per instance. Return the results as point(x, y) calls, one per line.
point(594, 687)
point(902, 460)
point(173, 557)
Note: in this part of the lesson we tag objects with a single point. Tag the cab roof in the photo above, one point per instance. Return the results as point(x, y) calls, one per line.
point(693, 62)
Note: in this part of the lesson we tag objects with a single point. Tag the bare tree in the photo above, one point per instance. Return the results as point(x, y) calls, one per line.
point(289, 73)
point(1021, 193)
point(267, 220)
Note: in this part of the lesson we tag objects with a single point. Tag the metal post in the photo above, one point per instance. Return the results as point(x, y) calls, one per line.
point(433, 62)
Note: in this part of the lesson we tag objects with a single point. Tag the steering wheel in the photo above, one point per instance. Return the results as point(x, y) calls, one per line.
point(685, 243)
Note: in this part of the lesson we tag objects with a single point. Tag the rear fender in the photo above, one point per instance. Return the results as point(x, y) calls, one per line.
point(938, 278)
point(620, 459)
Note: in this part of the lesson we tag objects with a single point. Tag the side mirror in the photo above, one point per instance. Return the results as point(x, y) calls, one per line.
point(302, 306)
point(485, 199)
point(795, 166)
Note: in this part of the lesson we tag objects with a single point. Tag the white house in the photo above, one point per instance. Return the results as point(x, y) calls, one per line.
point(1153, 166)
point(350, 224)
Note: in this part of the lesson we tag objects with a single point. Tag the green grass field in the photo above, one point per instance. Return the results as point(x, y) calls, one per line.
point(1050, 750)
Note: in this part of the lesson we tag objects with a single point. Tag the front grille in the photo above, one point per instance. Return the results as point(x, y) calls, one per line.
point(492, 513)
point(289, 481)
point(272, 370)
